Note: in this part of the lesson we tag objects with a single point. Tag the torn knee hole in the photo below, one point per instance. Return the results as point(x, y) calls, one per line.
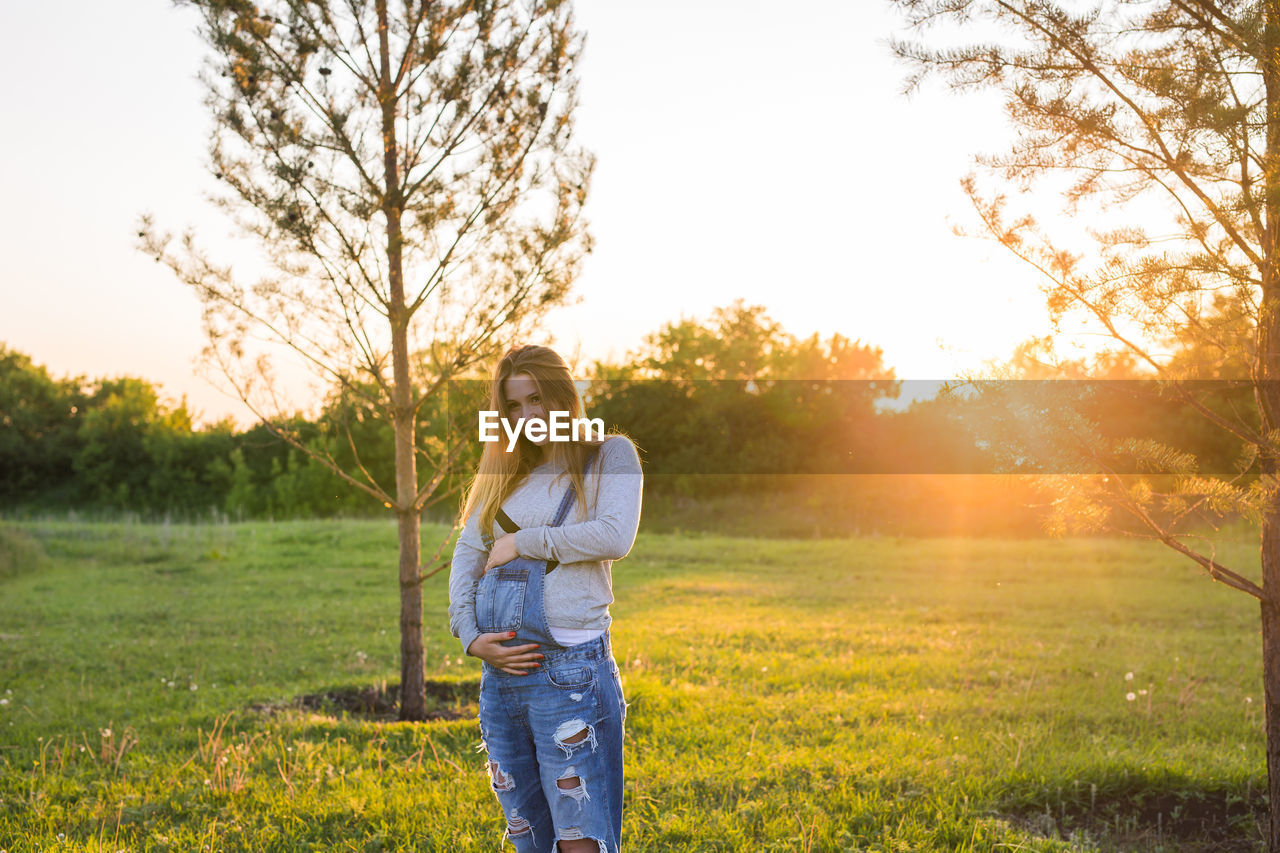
point(501, 781)
point(570, 785)
point(518, 825)
point(574, 833)
point(573, 732)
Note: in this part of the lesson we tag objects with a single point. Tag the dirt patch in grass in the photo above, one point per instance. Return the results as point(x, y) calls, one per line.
point(1195, 821)
point(446, 700)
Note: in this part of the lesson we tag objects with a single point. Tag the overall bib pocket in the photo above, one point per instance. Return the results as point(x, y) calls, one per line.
point(510, 597)
point(500, 598)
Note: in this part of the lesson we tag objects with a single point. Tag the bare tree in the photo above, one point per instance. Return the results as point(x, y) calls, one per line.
point(412, 179)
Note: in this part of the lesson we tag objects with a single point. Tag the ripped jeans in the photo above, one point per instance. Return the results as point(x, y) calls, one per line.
point(554, 740)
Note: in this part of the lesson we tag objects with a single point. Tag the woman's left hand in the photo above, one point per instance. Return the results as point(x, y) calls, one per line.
point(504, 551)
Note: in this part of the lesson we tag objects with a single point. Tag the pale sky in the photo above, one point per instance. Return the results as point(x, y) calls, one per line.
point(743, 151)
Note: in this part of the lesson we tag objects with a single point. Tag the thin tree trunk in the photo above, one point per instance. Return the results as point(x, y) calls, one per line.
point(1271, 627)
point(413, 697)
point(1268, 398)
point(1271, 682)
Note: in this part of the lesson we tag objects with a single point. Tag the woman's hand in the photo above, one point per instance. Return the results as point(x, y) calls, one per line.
point(517, 660)
point(504, 551)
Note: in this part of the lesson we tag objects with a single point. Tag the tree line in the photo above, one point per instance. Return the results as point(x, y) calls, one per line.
point(721, 406)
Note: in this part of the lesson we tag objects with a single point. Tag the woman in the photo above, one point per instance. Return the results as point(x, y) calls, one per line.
point(551, 710)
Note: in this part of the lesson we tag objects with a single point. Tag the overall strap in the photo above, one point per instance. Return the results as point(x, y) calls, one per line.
point(561, 511)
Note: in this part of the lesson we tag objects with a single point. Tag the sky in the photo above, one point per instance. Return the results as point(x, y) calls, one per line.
point(744, 150)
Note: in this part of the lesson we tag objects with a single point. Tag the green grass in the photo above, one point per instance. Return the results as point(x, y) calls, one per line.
point(874, 694)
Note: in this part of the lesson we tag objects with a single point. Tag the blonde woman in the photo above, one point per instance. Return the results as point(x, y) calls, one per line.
point(529, 594)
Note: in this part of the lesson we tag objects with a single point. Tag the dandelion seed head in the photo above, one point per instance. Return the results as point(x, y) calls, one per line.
point(1130, 696)
point(1128, 676)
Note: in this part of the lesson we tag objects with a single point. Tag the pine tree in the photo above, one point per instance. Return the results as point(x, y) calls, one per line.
point(1169, 101)
point(411, 176)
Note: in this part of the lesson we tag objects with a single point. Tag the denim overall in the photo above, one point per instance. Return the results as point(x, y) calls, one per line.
point(553, 735)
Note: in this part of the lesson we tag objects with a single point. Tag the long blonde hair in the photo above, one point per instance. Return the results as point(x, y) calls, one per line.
point(501, 471)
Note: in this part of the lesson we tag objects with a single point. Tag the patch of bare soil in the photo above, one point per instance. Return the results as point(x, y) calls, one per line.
point(1183, 821)
point(446, 700)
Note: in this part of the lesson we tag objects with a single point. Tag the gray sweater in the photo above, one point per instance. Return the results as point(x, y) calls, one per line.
point(580, 590)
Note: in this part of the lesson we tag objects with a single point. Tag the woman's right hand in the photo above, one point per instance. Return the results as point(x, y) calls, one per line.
point(489, 648)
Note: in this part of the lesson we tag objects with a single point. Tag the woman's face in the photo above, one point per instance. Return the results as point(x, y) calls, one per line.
point(524, 401)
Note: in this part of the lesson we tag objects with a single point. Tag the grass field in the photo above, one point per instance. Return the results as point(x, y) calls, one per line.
point(838, 694)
